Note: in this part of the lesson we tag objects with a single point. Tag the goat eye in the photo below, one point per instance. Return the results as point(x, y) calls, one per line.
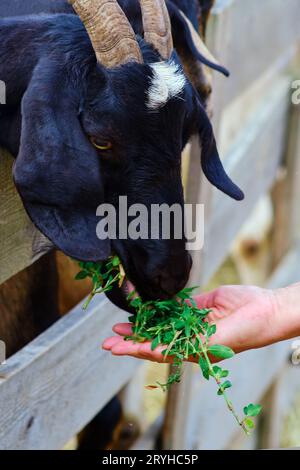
point(101, 145)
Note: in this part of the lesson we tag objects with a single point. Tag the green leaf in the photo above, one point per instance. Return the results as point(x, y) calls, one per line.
point(222, 352)
point(217, 370)
point(90, 265)
point(179, 324)
point(155, 343)
point(96, 279)
point(224, 386)
point(249, 423)
point(187, 330)
point(81, 275)
point(252, 410)
point(220, 373)
point(135, 302)
point(116, 261)
point(204, 367)
point(211, 330)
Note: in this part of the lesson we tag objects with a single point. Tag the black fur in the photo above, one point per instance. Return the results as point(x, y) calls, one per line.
point(65, 98)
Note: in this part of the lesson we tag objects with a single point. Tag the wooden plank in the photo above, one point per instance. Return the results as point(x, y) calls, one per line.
point(279, 403)
point(131, 397)
point(177, 409)
point(55, 385)
point(21, 244)
point(148, 439)
point(286, 193)
point(237, 113)
point(258, 32)
point(293, 165)
point(249, 383)
point(252, 162)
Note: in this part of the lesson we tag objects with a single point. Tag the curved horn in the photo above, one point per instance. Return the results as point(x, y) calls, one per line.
point(110, 32)
point(157, 26)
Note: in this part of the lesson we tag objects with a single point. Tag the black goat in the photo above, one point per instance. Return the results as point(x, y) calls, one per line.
point(61, 104)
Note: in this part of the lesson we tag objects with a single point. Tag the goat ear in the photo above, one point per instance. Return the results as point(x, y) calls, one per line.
point(187, 39)
point(200, 49)
point(210, 161)
point(57, 171)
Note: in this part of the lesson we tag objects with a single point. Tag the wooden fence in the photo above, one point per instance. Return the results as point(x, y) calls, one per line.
point(52, 387)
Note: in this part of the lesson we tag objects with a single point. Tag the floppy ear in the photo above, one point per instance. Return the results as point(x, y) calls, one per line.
point(57, 171)
point(187, 39)
point(210, 161)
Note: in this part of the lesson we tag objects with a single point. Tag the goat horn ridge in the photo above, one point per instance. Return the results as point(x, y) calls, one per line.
point(157, 26)
point(110, 32)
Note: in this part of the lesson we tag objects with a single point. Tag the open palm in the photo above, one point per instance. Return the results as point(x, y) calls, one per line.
point(244, 315)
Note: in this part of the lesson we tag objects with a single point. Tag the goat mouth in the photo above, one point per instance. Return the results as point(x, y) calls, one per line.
point(129, 288)
point(119, 295)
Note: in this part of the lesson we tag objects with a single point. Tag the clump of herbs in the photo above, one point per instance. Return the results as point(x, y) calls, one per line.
point(103, 275)
point(177, 324)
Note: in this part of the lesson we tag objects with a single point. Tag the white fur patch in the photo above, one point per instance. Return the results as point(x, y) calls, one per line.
point(168, 81)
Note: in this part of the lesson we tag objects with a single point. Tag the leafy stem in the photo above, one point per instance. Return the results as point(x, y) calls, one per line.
point(176, 323)
point(216, 377)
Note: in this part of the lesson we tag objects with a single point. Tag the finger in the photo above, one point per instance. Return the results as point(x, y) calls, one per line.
point(139, 350)
point(123, 329)
point(205, 300)
point(108, 343)
point(126, 348)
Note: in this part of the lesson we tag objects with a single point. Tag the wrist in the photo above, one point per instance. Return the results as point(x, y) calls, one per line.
point(287, 311)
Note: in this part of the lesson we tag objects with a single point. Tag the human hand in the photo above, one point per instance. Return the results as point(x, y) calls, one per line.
point(246, 317)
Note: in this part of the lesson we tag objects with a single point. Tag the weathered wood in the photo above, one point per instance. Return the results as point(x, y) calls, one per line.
point(257, 33)
point(286, 193)
point(279, 403)
point(281, 236)
point(55, 385)
point(252, 162)
point(177, 408)
point(21, 244)
point(293, 167)
point(148, 440)
point(132, 397)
